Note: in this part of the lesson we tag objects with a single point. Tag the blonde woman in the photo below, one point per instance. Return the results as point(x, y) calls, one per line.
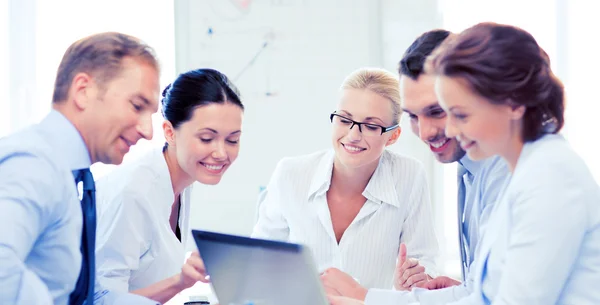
point(353, 205)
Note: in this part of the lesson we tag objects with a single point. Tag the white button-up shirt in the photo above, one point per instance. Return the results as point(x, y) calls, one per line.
point(135, 245)
point(294, 208)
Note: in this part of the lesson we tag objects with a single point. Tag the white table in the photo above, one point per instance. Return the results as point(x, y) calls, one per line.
point(200, 289)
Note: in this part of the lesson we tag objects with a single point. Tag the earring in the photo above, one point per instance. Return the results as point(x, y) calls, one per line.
point(549, 123)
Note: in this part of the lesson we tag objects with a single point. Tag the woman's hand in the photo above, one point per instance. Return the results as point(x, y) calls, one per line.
point(192, 271)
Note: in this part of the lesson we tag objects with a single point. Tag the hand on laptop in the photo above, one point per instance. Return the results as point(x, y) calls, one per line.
point(192, 271)
point(337, 300)
point(338, 283)
point(408, 272)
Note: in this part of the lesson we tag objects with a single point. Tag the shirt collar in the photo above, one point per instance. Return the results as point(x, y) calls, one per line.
point(158, 161)
point(322, 178)
point(68, 142)
point(471, 166)
point(380, 189)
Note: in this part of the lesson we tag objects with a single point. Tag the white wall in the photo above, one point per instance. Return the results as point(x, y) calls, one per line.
point(291, 87)
point(580, 74)
point(5, 122)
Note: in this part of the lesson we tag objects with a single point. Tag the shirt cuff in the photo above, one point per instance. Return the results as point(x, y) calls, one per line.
point(387, 297)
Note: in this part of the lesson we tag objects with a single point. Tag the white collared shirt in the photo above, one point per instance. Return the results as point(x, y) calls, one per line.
point(135, 245)
point(294, 208)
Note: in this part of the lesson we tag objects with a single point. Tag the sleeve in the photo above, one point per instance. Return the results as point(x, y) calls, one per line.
point(418, 231)
point(386, 297)
point(548, 216)
point(440, 296)
point(271, 223)
point(124, 235)
point(106, 297)
point(24, 202)
point(417, 295)
point(471, 299)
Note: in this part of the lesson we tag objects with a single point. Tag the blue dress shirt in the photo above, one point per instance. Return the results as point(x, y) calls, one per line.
point(40, 222)
point(483, 181)
point(41, 218)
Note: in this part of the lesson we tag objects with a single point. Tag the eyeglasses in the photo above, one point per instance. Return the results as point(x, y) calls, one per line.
point(369, 130)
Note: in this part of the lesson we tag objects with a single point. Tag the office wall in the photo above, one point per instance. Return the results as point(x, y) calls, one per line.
point(288, 59)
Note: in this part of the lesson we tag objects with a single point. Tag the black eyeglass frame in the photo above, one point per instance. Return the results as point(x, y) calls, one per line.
point(383, 129)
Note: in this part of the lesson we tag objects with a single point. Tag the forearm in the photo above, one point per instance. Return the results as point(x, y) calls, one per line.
point(161, 291)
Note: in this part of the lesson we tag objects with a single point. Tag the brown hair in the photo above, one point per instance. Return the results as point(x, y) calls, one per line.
point(505, 65)
point(101, 56)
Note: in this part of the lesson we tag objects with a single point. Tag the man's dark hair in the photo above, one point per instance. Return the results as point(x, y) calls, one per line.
point(413, 60)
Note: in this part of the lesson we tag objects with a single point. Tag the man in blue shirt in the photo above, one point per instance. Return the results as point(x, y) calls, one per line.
point(478, 186)
point(106, 90)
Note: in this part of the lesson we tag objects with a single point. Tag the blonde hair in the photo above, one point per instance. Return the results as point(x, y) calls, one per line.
point(100, 55)
point(379, 81)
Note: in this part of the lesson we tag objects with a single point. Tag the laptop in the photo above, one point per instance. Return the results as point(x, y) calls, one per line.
point(248, 271)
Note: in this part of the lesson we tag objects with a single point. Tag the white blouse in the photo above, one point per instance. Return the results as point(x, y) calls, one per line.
point(294, 208)
point(135, 245)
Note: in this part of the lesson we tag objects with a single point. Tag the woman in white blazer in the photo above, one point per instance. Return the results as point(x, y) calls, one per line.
point(542, 242)
point(353, 205)
point(143, 207)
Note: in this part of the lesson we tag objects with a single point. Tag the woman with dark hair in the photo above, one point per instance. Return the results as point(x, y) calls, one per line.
point(143, 207)
point(542, 241)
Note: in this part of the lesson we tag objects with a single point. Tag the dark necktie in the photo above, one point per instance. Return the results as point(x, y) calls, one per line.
point(84, 289)
point(460, 211)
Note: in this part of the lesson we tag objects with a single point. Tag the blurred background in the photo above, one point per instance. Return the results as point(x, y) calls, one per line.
point(288, 58)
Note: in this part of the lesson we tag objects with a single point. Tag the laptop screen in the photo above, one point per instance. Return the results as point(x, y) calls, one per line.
point(260, 272)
